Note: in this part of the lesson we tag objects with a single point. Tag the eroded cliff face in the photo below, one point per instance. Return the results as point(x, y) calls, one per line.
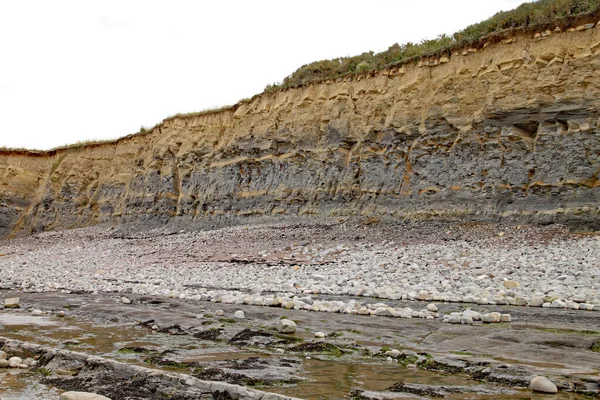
point(511, 131)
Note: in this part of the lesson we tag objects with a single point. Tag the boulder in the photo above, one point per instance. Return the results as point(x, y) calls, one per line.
point(542, 384)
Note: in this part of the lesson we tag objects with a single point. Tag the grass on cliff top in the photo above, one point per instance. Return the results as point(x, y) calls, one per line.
point(527, 16)
point(539, 14)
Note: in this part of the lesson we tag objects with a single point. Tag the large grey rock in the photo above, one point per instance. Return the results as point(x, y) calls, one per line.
point(542, 384)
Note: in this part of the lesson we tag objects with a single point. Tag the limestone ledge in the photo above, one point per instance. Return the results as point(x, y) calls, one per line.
point(510, 131)
point(135, 373)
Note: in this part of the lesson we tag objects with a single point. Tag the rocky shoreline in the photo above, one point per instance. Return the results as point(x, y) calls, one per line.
point(273, 265)
point(519, 301)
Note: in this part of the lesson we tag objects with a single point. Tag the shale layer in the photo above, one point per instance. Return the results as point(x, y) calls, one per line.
point(510, 131)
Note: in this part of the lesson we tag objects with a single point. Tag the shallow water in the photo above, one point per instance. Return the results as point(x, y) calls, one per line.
point(23, 385)
point(325, 379)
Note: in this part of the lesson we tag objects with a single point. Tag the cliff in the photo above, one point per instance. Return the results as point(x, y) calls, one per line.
point(510, 131)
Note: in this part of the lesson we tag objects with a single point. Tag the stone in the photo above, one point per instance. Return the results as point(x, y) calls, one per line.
point(320, 335)
point(37, 312)
point(125, 300)
point(542, 384)
point(536, 301)
point(506, 318)
point(432, 307)
point(3, 355)
point(239, 314)
point(60, 314)
point(14, 362)
point(488, 319)
point(28, 361)
point(286, 326)
point(394, 353)
point(497, 316)
point(511, 284)
point(219, 313)
point(82, 396)
point(4, 363)
point(558, 304)
point(12, 302)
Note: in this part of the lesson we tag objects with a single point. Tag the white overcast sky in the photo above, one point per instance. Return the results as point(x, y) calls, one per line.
point(80, 70)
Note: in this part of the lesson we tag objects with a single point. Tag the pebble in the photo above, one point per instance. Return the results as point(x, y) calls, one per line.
point(219, 313)
point(3, 355)
point(394, 353)
point(239, 314)
point(12, 302)
point(60, 314)
point(497, 316)
point(536, 302)
point(542, 384)
point(474, 271)
point(432, 307)
point(511, 284)
point(320, 335)
point(506, 318)
point(14, 362)
point(125, 300)
point(488, 319)
point(286, 326)
point(37, 312)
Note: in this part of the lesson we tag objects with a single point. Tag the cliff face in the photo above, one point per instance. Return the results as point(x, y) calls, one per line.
point(510, 131)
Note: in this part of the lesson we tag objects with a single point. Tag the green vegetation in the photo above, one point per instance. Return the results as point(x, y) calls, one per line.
point(43, 371)
point(461, 353)
point(536, 16)
point(570, 331)
point(541, 14)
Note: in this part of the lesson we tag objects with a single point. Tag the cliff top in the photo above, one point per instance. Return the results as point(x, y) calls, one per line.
point(541, 15)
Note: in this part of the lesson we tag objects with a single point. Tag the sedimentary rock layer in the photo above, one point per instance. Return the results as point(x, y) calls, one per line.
point(509, 131)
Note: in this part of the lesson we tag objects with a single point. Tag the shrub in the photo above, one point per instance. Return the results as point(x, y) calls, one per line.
point(528, 15)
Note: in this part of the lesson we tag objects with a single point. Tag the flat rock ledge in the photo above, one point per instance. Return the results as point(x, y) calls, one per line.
point(79, 371)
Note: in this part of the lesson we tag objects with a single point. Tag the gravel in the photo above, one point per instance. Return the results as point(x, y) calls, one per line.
point(293, 266)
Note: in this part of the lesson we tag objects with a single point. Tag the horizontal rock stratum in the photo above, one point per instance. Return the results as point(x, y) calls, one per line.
point(510, 131)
